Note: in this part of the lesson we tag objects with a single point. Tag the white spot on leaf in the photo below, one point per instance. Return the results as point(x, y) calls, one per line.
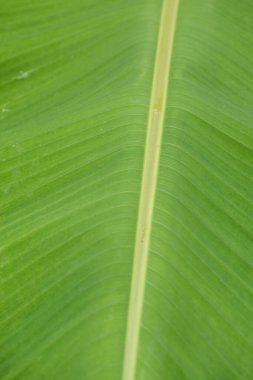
point(5, 108)
point(23, 74)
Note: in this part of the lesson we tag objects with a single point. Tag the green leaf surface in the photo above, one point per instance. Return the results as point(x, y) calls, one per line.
point(76, 80)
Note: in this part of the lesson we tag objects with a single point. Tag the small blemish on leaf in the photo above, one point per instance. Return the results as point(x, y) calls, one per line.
point(24, 74)
point(5, 108)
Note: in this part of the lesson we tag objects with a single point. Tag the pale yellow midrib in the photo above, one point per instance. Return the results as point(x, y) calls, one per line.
point(149, 183)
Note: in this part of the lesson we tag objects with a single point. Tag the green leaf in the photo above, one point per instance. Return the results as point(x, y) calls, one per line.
point(76, 82)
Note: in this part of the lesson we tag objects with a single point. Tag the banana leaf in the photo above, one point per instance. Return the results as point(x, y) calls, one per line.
point(78, 300)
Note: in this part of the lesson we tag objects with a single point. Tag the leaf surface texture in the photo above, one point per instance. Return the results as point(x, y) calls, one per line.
point(76, 80)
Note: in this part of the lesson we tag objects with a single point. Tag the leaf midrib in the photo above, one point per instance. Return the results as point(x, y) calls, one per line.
point(149, 183)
